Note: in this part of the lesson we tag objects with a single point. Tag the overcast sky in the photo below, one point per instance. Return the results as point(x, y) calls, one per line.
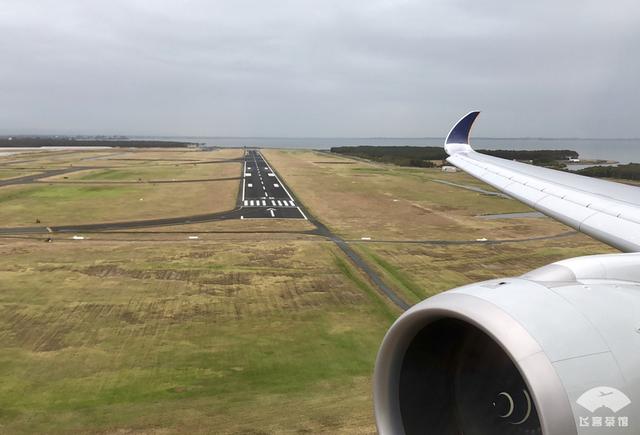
point(395, 68)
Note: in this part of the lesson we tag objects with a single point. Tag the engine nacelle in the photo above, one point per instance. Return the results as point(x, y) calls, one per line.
point(554, 352)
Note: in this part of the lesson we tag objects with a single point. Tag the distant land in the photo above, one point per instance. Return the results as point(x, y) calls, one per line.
point(623, 150)
point(629, 171)
point(102, 141)
point(426, 157)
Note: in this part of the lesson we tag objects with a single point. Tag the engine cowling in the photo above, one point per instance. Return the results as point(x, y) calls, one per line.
point(554, 352)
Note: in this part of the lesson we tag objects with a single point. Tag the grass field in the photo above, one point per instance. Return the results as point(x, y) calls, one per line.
point(257, 327)
point(6, 174)
point(102, 200)
point(363, 199)
point(420, 271)
point(209, 338)
point(75, 204)
point(116, 157)
point(152, 171)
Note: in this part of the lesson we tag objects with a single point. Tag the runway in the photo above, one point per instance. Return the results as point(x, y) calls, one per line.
point(264, 195)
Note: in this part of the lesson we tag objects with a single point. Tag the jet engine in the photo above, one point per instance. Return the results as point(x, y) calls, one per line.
point(554, 352)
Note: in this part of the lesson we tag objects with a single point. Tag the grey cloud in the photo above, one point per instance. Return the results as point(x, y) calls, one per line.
point(319, 68)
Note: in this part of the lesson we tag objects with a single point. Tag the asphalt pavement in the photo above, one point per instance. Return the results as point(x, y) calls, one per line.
point(264, 195)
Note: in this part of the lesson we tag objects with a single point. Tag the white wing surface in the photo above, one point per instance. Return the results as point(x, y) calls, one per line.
point(607, 211)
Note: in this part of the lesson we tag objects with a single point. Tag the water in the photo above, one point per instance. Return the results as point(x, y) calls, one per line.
point(621, 150)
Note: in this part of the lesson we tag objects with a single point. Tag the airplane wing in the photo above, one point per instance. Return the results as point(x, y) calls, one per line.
point(604, 210)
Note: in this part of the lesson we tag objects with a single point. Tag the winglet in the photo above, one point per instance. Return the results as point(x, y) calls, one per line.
point(458, 138)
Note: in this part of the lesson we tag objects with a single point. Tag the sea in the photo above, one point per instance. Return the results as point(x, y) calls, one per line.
point(619, 150)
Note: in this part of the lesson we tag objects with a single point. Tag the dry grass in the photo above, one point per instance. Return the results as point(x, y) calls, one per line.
point(419, 271)
point(239, 226)
point(389, 202)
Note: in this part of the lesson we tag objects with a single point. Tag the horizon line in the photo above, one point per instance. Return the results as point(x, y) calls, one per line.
point(149, 136)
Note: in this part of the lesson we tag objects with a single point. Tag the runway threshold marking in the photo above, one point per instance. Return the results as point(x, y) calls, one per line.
point(267, 199)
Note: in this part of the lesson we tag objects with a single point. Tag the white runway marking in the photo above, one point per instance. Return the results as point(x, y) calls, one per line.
point(303, 215)
point(257, 164)
point(243, 179)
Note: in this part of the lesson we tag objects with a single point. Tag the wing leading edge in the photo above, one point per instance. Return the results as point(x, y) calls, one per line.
point(604, 210)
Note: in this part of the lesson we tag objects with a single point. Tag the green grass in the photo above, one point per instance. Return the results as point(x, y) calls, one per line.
point(62, 204)
point(63, 193)
point(399, 280)
point(108, 336)
point(109, 174)
point(151, 171)
point(347, 271)
point(7, 173)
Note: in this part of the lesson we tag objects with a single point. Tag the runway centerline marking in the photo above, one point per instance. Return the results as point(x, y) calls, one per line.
point(274, 195)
